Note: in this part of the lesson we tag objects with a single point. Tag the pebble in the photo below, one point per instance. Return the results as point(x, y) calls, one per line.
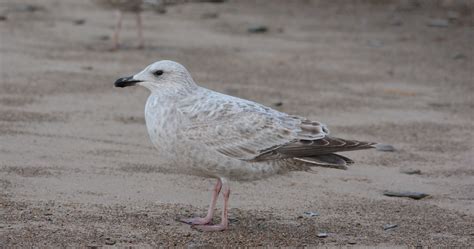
point(322, 235)
point(104, 37)
point(210, 15)
point(279, 103)
point(413, 195)
point(396, 22)
point(79, 21)
point(3, 18)
point(385, 147)
point(459, 56)
point(28, 8)
point(351, 242)
point(88, 68)
point(389, 226)
point(110, 242)
point(311, 214)
point(453, 15)
point(258, 29)
point(411, 171)
point(438, 23)
point(375, 43)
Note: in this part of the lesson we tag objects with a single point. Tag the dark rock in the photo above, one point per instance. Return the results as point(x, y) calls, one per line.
point(279, 103)
point(110, 242)
point(79, 21)
point(104, 37)
point(438, 23)
point(3, 18)
point(411, 171)
point(28, 8)
point(389, 226)
point(413, 195)
point(88, 68)
point(258, 29)
point(385, 147)
point(459, 56)
point(396, 22)
point(210, 15)
point(453, 15)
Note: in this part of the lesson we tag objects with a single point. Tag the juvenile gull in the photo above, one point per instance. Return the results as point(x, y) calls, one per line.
point(130, 6)
point(136, 7)
point(210, 134)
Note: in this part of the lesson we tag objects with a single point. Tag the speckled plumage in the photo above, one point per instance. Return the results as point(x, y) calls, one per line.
point(210, 134)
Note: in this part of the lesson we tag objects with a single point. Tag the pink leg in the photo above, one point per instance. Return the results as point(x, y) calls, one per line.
point(141, 43)
point(210, 212)
point(225, 219)
point(118, 27)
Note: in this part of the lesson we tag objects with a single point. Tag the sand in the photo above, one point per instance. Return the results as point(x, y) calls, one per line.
point(77, 167)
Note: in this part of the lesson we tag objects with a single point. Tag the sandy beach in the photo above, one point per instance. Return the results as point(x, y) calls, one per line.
point(77, 167)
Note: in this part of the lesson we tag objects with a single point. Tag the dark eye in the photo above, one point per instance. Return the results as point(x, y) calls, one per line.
point(158, 72)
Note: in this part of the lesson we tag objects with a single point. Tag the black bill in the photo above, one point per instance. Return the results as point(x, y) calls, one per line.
point(126, 81)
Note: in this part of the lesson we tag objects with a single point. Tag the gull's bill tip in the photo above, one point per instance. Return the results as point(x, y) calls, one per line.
point(126, 81)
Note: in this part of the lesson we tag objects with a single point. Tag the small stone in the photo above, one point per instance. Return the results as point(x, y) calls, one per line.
point(413, 195)
point(375, 43)
point(104, 37)
point(453, 15)
point(459, 56)
point(396, 22)
point(110, 242)
point(277, 104)
point(411, 171)
point(234, 220)
point(28, 8)
point(385, 147)
point(311, 214)
point(88, 68)
point(210, 15)
point(79, 21)
point(438, 23)
point(258, 29)
point(322, 235)
point(351, 242)
point(3, 18)
point(389, 226)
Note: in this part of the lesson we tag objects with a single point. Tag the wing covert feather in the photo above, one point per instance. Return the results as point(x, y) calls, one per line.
point(245, 130)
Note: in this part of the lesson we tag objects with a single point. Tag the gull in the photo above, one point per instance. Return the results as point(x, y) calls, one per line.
point(136, 7)
point(130, 6)
point(210, 134)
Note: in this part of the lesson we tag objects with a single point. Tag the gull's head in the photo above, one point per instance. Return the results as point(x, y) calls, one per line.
point(158, 75)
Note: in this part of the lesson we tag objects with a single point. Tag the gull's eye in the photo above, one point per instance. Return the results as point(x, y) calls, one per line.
point(158, 72)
